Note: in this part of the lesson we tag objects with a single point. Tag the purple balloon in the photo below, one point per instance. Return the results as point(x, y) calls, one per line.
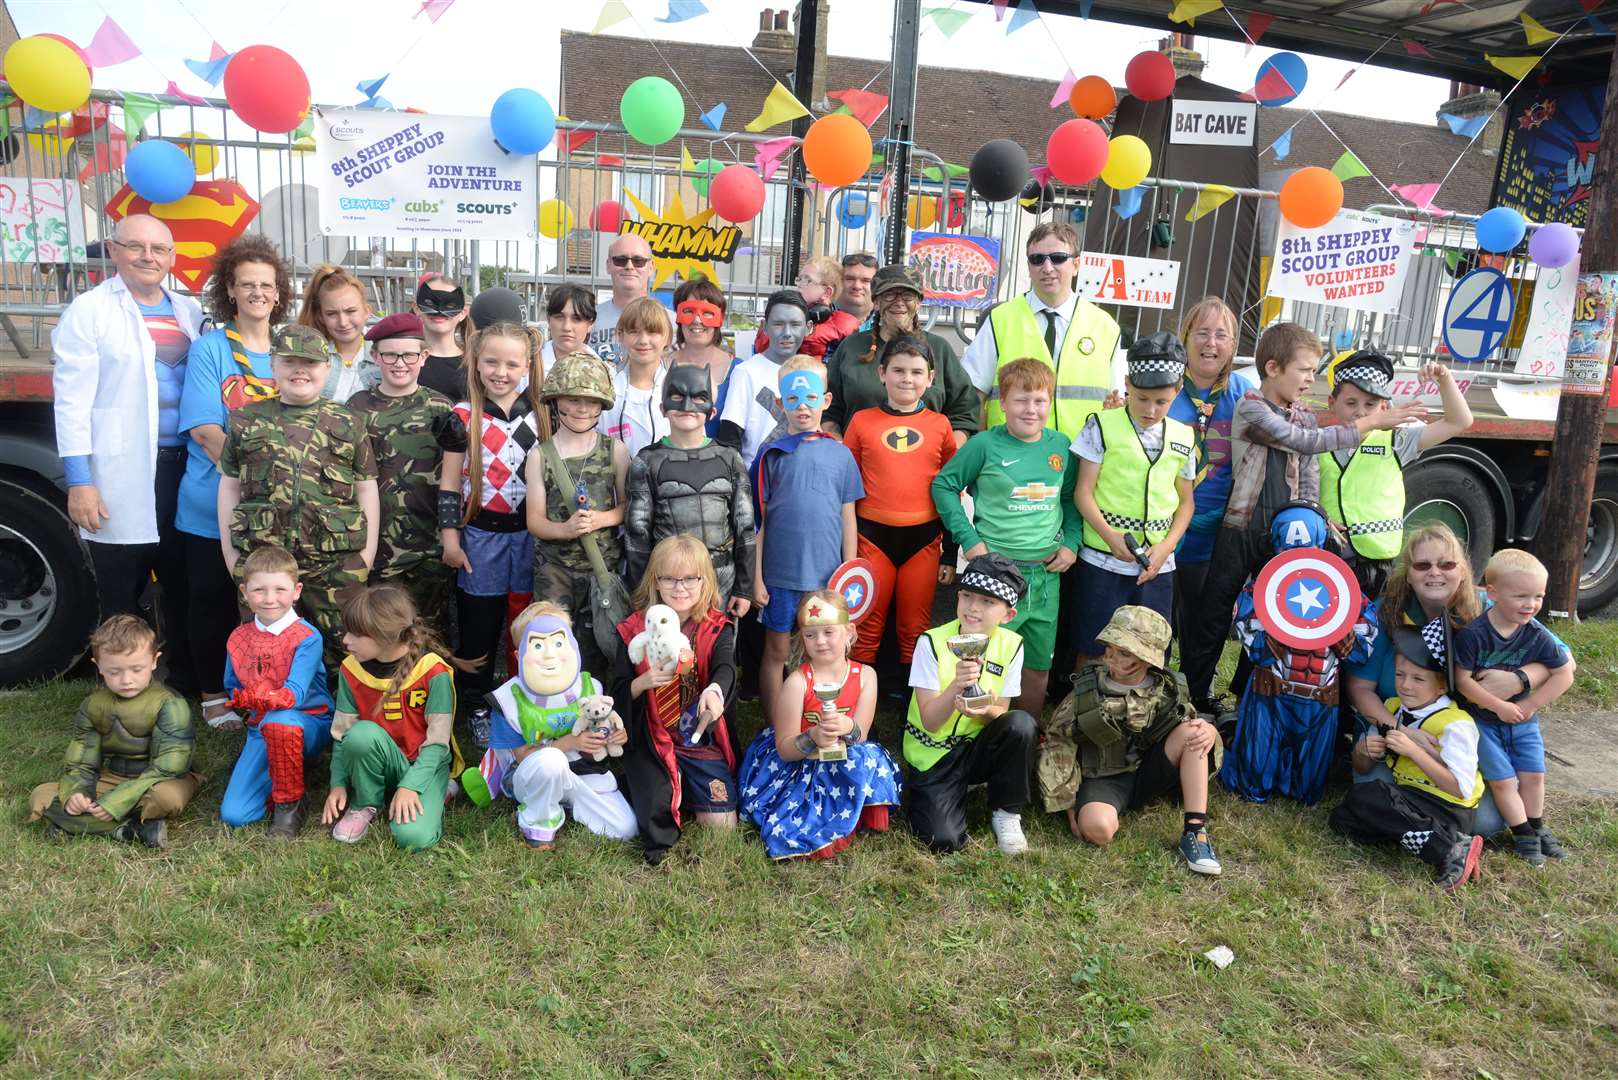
point(1554, 245)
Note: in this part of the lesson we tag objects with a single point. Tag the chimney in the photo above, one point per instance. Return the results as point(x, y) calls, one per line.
point(773, 32)
point(1467, 101)
point(1187, 61)
point(817, 97)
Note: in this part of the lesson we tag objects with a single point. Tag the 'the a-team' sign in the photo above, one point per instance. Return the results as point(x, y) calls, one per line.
point(1213, 123)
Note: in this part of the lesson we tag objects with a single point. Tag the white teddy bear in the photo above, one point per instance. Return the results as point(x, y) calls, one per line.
point(662, 644)
point(596, 711)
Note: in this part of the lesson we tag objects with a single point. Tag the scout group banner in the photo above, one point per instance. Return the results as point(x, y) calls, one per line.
point(1357, 260)
point(414, 174)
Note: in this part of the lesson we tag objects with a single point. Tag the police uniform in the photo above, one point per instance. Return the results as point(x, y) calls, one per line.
point(1362, 488)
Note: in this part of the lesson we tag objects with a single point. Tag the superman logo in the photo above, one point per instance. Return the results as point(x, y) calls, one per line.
point(238, 390)
point(215, 213)
point(902, 440)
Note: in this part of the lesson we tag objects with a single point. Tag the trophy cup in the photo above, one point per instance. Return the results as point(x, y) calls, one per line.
point(827, 693)
point(971, 647)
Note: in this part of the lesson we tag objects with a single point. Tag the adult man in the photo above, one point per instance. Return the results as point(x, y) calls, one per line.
point(859, 270)
point(1053, 324)
point(120, 357)
point(629, 264)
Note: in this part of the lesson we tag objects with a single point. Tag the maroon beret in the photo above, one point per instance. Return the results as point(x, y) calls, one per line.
point(406, 324)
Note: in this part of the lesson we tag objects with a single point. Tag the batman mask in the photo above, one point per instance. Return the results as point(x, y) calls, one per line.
point(688, 388)
point(431, 301)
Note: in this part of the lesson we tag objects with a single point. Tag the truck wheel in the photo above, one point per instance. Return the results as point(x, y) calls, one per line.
point(1598, 578)
point(1449, 493)
point(48, 602)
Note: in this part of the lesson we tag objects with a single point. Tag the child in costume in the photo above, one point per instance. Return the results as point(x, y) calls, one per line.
point(952, 741)
point(681, 754)
point(1287, 721)
point(482, 493)
point(688, 483)
point(1511, 750)
point(587, 502)
point(297, 471)
point(900, 446)
point(395, 711)
point(1128, 735)
point(1137, 468)
point(803, 805)
point(275, 678)
point(441, 307)
point(754, 416)
point(1427, 807)
point(128, 766)
point(804, 488)
point(533, 756)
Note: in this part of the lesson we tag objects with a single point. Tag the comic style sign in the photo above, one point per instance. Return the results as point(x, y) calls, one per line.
point(1306, 598)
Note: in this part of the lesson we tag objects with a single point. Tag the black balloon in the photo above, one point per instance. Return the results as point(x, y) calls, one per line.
point(1036, 198)
point(999, 170)
point(9, 150)
point(497, 305)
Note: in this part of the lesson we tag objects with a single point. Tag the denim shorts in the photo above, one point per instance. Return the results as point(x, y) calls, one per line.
point(1504, 750)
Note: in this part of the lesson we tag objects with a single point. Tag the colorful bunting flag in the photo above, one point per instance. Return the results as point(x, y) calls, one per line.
point(306, 130)
point(681, 10)
point(212, 69)
point(1041, 173)
point(613, 12)
point(1272, 86)
point(108, 157)
point(1414, 48)
point(1466, 126)
point(688, 164)
point(380, 103)
point(714, 117)
point(1064, 89)
point(1282, 146)
point(1127, 204)
point(1257, 23)
point(779, 107)
point(1349, 166)
point(1210, 199)
point(1347, 75)
point(1598, 26)
point(1517, 67)
point(173, 90)
point(1026, 13)
point(1533, 31)
point(434, 9)
point(767, 155)
point(1084, 8)
point(368, 88)
point(137, 109)
point(948, 20)
point(1589, 5)
point(863, 105)
point(934, 173)
point(1000, 9)
point(576, 139)
point(111, 46)
point(1186, 11)
point(1421, 196)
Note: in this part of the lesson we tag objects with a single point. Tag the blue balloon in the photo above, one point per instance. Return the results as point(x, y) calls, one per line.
point(1500, 230)
point(522, 121)
point(853, 209)
point(1280, 79)
point(159, 171)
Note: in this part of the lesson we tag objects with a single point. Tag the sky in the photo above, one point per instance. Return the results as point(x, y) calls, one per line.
point(480, 48)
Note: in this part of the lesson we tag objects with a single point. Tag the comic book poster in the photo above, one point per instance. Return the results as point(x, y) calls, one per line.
point(1548, 155)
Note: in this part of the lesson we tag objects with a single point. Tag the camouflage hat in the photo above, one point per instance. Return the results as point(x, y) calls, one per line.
point(578, 374)
point(301, 343)
point(897, 277)
point(1140, 632)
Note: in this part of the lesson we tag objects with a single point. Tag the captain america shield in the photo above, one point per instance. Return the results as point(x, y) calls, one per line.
point(1306, 598)
point(855, 581)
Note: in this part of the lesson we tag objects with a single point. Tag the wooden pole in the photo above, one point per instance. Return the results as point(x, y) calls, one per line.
point(1582, 410)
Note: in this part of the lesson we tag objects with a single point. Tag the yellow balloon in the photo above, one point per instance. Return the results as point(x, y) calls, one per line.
point(922, 211)
point(48, 145)
point(1129, 161)
point(203, 155)
point(555, 218)
point(47, 74)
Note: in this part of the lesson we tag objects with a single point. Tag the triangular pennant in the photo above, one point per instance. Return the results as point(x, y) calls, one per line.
point(1127, 204)
point(1257, 23)
point(576, 139)
point(1533, 31)
point(111, 46)
point(613, 12)
point(1282, 146)
point(5, 116)
point(1000, 9)
point(306, 129)
point(1026, 13)
point(1517, 67)
point(767, 155)
point(1465, 126)
point(1272, 85)
point(434, 9)
point(934, 173)
point(1421, 196)
point(1041, 173)
point(714, 117)
point(863, 104)
point(681, 10)
point(1210, 199)
point(688, 164)
point(1598, 26)
point(370, 87)
point(1084, 8)
point(173, 90)
point(380, 103)
point(1415, 48)
point(1589, 5)
point(1186, 11)
point(1349, 166)
point(35, 119)
point(137, 109)
point(1064, 89)
point(948, 20)
point(1347, 75)
point(212, 69)
point(108, 157)
point(778, 108)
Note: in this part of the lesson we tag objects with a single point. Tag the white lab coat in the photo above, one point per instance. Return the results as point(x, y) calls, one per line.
point(105, 388)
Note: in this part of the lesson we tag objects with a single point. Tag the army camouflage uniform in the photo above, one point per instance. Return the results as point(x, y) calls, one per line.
point(131, 755)
point(406, 435)
point(562, 572)
point(298, 466)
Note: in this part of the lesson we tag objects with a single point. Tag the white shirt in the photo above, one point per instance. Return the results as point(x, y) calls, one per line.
point(1088, 446)
point(278, 625)
point(982, 357)
point(753, 403)
point(636, 417)
point(1457, 747)
point(924, 670)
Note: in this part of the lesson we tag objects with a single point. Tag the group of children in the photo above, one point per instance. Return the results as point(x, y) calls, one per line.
point(551, 481)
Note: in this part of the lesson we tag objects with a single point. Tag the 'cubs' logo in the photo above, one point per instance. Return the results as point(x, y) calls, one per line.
point(902, 440)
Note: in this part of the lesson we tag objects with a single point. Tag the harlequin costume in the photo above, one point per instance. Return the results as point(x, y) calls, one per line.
point(667, 775)
point(387, 741)
point(275, 678)
point(1287, 720)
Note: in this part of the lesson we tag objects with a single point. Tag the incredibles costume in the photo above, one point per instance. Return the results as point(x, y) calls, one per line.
point(900, 533)
point(275, 678)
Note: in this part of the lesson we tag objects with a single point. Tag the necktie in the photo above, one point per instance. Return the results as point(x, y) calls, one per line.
point(1050, 333)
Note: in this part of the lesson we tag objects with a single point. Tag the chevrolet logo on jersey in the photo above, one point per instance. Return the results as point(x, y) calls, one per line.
point(902, 440)
point(1036, 492)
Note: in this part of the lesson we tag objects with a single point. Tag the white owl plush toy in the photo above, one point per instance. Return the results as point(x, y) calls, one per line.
point(662, 644)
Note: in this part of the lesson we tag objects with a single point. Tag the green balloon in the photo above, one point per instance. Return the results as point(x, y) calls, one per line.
point(707, 168)
point(652, 110)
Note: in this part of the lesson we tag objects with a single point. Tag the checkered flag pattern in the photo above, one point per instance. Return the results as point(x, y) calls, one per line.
point(1156, 365)
point(1433, 634)
point(1134, 524)
point(1366, 376)
point(1370, 528)
point(1414, 840)
point(992, 586)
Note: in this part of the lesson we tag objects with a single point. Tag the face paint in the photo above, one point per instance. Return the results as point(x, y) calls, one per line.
point(431, 301)
point(698, 311)
point(688, 388)
point(785, 326)
point(802, 390)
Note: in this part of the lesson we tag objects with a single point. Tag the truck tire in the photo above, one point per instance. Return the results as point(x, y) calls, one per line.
point(1598, 579)
point(48, 603)
point(1448, 492)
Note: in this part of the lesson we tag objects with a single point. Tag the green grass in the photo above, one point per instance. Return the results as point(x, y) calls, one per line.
point(225, 957)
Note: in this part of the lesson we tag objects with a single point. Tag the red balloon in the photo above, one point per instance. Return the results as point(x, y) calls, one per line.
point(1150, 76)
point(75, 48)
point(607, 216)
point(737, 193)
point(1076, 151)
point(267, 88)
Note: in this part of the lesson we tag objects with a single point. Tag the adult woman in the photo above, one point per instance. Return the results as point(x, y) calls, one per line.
point(334, 303)
point(227, 367)
point(699, 335)
point(1207, 402)
point(852, 372)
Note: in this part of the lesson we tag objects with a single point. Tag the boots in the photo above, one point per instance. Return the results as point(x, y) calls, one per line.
point(286, 821)
point(154, 833)
point(1458, 864)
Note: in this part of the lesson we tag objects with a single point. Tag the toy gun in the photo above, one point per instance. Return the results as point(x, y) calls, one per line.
point(581, 495)
point(1139, 549)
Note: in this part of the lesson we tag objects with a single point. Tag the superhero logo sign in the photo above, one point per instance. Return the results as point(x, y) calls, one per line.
point(855, 581)
point(1306, 598)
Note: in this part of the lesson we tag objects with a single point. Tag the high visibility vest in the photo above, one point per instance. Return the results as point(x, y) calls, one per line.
point(1408, 773)
point(1134, 493)
point(923, 748)
point(1084, 364)
point(1367, 499)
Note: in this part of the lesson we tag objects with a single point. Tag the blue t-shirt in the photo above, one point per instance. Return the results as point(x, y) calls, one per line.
point(1378, 667)
point(1213, 467)
point(1479, 646)
point(173, 348)
point(803, 517)
point(214, 385)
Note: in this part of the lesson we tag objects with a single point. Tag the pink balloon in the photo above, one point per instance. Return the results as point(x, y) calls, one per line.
point(1076, 151)
point(1150, 76)
point(737, 193)
point(607, 216)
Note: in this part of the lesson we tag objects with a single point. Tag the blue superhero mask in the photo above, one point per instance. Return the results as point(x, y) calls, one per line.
point(802, 390)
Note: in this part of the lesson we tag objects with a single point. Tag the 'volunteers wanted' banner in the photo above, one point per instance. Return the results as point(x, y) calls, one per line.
point(414, 174)
point(1356, 260)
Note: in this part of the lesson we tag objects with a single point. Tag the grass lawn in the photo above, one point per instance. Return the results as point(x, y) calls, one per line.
point(223, 957)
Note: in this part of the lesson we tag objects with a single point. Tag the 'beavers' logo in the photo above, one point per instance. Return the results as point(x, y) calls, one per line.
point(902, 440)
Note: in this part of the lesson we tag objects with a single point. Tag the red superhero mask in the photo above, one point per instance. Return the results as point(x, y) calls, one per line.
point(698, 311)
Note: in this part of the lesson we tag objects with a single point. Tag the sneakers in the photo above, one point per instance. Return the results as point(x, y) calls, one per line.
point(1530, 848)
point(1460, 864)
point(1199, 853)
point(1549, 845)
point(1008, 832)
point(286, 821)
point(154, 834)
point(351, 827)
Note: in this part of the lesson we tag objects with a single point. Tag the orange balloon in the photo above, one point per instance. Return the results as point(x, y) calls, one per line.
point(1311, 197)
point(837, 150)
point(1093, 98)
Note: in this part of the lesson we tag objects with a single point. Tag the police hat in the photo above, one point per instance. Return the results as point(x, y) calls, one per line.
point(1366, 369)
point(1428, 646)
point(1156, 361)
point(995, 576)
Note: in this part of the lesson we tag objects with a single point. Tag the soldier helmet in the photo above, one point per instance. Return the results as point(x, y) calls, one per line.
point(1140, 632)
point(579, 374)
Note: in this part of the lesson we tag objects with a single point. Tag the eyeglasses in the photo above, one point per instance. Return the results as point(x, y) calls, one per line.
point(622, 261)
point(1218, 337)
point(162, 251)
point(1055, 258)
point(398, 359)
point(684, 584)
point(903, 296)
point(1421, 566)
point(255, 288)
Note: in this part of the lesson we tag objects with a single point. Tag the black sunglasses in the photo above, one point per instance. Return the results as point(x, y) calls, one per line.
point(625, 260)
point(1055, 258)
point(867, 261)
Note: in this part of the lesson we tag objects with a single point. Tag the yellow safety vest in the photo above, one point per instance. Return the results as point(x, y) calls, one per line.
point(1408, 773)
point(1084, 364)
point(1368, 497)
point(923, 748)
point(1134, 493)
